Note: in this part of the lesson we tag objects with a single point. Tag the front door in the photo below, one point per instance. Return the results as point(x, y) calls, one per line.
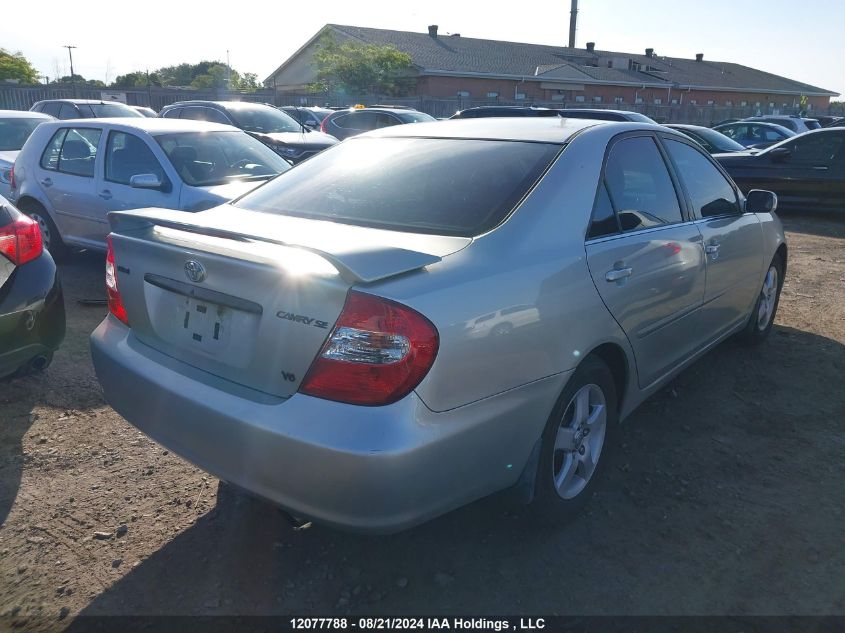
point(732, 240)
point(645, 258)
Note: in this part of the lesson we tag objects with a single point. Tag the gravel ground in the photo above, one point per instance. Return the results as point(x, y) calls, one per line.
point(726, 499)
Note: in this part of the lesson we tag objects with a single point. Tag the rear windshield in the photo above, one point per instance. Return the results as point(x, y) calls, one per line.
point(458, 187)
point(262, 119)
point(14, 132)
point(108, 110)
point(203, 159)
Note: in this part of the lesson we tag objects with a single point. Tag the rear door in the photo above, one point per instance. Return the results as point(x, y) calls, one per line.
point(733, 240)
point(645, 256)
point(815, 163)
point(66, 174)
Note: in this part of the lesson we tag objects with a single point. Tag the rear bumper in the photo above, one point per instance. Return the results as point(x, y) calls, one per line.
point(373, 469)
point(32, 314)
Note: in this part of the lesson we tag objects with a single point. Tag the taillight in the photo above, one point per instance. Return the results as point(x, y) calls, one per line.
point(20, 241)
point(323, 127)
point(377, 353)
point(12, 184)
point(116, 306)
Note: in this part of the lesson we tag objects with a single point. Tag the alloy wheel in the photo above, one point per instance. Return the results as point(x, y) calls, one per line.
point(768, 298)
point(579, 441)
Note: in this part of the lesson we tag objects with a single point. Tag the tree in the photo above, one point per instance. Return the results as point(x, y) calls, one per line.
point(249, 82)
point(361, 68)
point(137, 79)
point(79, 80)
point(16, 67)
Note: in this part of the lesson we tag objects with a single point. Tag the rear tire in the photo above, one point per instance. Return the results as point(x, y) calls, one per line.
point(577, 444)
point(765, 308)
point(49, 231)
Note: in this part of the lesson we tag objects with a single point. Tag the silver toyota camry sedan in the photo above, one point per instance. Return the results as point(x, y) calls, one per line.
point(424, 315)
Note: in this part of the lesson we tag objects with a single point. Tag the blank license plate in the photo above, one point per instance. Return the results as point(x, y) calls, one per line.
point(206, 325)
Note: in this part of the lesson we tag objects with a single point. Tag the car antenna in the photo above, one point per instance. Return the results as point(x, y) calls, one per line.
point(299, 119)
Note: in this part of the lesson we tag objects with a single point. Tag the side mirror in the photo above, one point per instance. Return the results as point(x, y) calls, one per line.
point(780, 154)
point(760, 201)
point(145, 181)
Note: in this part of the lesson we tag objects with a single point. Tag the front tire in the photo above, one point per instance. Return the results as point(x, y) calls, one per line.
point(763, 315)
point(576, 444)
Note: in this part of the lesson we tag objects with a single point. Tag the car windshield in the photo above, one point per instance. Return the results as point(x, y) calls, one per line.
point(14, 132)
point(718, 140)
point(203, 159)
point(262, 119)
point(443, 186)
point(109, 110)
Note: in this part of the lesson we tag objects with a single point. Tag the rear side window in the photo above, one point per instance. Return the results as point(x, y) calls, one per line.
point(604, 219)
point(68, 111)
point(173, 113)
point(52, 109)
point(442, 186)
point(639, 185)
point(709, 190)
point(72, 151)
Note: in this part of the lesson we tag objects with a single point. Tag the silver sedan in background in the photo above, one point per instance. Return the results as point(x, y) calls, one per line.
point(71, 174)
point(15, 128)
point(424, 315)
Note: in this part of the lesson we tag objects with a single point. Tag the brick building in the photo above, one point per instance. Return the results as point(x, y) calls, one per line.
point(452, 66)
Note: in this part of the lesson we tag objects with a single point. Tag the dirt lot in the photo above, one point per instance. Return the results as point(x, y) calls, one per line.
point(727, 498)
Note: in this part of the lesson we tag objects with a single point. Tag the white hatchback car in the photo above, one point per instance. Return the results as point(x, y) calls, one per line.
point(15, 128)
point(71, 174)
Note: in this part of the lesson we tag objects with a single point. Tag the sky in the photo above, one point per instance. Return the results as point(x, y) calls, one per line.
point(802, 41)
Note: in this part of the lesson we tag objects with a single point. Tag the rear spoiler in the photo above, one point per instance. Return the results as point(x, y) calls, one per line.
point(356, 264)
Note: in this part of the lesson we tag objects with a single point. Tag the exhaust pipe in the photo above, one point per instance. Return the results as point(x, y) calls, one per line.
point(39, 362)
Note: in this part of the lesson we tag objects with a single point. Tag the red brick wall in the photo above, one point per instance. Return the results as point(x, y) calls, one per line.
point(437, 87)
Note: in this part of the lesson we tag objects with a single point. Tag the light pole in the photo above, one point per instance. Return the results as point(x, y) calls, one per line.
point(228, 72)
point(72, 78)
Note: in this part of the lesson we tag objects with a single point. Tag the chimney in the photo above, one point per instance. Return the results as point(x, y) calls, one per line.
point(699, 57)
point(649, 52)
point(573, 19)
point(591, 46)
point(432, 30)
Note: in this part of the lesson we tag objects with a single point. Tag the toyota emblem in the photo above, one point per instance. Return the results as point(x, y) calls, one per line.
point(194, 271)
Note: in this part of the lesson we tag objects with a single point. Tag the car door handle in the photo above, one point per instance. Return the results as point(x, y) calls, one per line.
point(617, 274)
point(712, 249)
point(105, 194)
point(47, 182)
point(820, 168)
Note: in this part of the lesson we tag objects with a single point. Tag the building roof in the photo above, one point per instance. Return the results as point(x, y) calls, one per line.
point(468, 56)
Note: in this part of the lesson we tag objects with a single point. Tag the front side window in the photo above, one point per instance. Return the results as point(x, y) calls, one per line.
point(639, 184)
point(127, 156)
point(459, 187)
point(203, 159)
point(52, 108)
point(109, 110)
point(709, 190)
point(816, 149)
point(415, 117)
point(261, 119)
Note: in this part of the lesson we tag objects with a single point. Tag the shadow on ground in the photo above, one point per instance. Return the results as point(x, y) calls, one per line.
point(725, 497)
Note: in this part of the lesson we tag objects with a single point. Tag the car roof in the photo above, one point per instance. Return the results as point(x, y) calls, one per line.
point(537, 129)
point(82, 101)
point(151, 125)
point(755, 122)
point(686, 126)
point(24, 114)
point(221, 104)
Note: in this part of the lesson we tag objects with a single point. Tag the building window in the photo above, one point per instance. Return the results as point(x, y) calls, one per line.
point(519, 96)
point(771, 104)
point(674, 102)
point(785, 105)
point(492, 95)
point(693, 102)
point(558, 97)
point(463, 93)
point(658, 101)
point(757, 105)
point(579, 98)
point(729, 103)
point(618, 100)
point(638, 100)
point(743, 103)
point(711, 102)
point(596, 99)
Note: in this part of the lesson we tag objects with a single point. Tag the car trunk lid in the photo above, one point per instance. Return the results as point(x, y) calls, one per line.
point(248, 296)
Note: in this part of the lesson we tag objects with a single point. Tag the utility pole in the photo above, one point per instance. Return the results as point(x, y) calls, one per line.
point(72, 77)
point(228, 72)
point(573, 19)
